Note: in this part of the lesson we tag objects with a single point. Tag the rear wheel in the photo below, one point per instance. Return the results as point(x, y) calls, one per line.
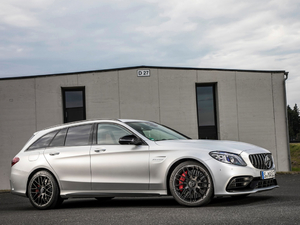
point(43, 191)
point(191, 184)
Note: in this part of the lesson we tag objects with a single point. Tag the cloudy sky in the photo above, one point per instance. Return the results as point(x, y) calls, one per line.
point(47, 36)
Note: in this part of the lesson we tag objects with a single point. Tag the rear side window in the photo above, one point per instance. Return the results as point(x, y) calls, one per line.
point(78, 136)
point(59, 139)
point(43, 142)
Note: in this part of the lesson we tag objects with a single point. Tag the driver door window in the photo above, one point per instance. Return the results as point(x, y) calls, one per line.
point(109, 134)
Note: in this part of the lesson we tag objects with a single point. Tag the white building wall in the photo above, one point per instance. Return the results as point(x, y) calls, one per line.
point(17, 121)
point(48, 99)
point(138, 96)
point(255, 109)
point(280, 120)
point(250, 105)
point(101, 93)
point(178, 109)
point(226, 101)
point(251, 108)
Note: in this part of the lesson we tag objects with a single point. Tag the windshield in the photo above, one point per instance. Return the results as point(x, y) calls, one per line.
point(156, 132)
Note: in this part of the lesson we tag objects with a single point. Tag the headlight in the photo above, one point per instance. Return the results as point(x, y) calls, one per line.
point(227, 157)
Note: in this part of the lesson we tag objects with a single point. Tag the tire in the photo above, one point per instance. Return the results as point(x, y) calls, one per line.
point(191, 184)
point(43, 191)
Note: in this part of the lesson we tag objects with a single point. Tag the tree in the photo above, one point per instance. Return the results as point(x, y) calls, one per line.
point(290, 124)
point(294, 123)
point(296, 120)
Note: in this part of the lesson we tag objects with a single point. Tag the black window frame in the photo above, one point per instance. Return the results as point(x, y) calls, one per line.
point(216, 127)
point(90, 141)
point(70, 89)
point(42, 147)
point(95, 133)
point(64, 138)
point(89, 138)
point(114, 124)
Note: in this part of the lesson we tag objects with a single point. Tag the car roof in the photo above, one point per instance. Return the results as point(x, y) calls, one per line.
point(59, 126)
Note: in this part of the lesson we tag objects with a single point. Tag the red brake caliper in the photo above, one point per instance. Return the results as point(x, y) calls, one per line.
point(181, 180)
point(37, 190)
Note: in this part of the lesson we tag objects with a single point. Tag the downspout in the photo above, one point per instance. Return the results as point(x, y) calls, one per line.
point(286, 74)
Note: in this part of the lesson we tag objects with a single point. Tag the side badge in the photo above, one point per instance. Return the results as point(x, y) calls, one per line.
point(158, 159)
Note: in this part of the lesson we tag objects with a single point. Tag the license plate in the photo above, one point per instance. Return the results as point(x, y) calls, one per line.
point(267, 174)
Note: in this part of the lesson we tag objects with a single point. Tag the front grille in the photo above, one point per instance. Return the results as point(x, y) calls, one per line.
point(262, 161)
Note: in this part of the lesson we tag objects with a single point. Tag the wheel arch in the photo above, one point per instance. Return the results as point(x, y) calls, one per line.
point(37, 170)
point(176, 163)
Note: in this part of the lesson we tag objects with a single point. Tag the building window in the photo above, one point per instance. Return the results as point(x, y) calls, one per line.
point(74, 104)
point(206, 108)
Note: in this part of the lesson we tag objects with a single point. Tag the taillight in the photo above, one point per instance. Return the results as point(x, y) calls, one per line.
point(15, 160)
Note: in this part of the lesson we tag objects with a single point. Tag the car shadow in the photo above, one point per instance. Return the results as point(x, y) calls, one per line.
point(120, 202)
point(236, 201)
point(161, 202)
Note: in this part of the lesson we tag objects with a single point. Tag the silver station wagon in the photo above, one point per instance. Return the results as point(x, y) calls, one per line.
point(114, 158)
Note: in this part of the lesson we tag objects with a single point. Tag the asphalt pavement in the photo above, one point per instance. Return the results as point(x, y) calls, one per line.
point(279, 206)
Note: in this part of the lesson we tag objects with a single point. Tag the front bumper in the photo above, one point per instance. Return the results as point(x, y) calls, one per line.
point(230, 179)
point(246, 183)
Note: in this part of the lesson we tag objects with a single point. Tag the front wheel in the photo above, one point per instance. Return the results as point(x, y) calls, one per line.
point(43, 191)
point(191, 184)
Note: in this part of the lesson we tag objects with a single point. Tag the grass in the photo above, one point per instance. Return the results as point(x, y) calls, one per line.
point(295, 156)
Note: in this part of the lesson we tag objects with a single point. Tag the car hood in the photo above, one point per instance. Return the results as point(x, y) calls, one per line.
point(210, 145)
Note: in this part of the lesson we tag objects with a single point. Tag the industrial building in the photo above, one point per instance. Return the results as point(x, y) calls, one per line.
point(224, 104)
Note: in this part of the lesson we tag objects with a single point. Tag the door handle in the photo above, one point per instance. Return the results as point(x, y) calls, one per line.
point(99, 150)
point(54, 153)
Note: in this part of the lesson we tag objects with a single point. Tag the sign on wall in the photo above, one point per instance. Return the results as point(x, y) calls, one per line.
point(143, 73)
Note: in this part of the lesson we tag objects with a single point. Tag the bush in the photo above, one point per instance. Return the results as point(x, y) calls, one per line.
point(295, 156)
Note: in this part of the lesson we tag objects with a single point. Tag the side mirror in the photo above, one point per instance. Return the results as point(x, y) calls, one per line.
point(130, 140)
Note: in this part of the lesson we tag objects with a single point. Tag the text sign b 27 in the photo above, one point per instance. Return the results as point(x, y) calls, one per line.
point(143, 73)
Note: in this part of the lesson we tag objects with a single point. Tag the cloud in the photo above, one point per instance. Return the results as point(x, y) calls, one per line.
point(47, 36)
point(22, 14)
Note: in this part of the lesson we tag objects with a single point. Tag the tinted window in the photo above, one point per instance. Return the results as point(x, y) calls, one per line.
point(43, 142)
point(59, 139)
point(109, 134)
point(156, 132)
point(74, 99)
point(78, 136)
point(205, 100)
point(206, 105)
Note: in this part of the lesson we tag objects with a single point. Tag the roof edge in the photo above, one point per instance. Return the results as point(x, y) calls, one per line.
point(142, 66)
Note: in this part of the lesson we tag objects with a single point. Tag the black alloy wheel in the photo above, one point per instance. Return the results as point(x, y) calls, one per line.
point(43, 191)
point(191, 184)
